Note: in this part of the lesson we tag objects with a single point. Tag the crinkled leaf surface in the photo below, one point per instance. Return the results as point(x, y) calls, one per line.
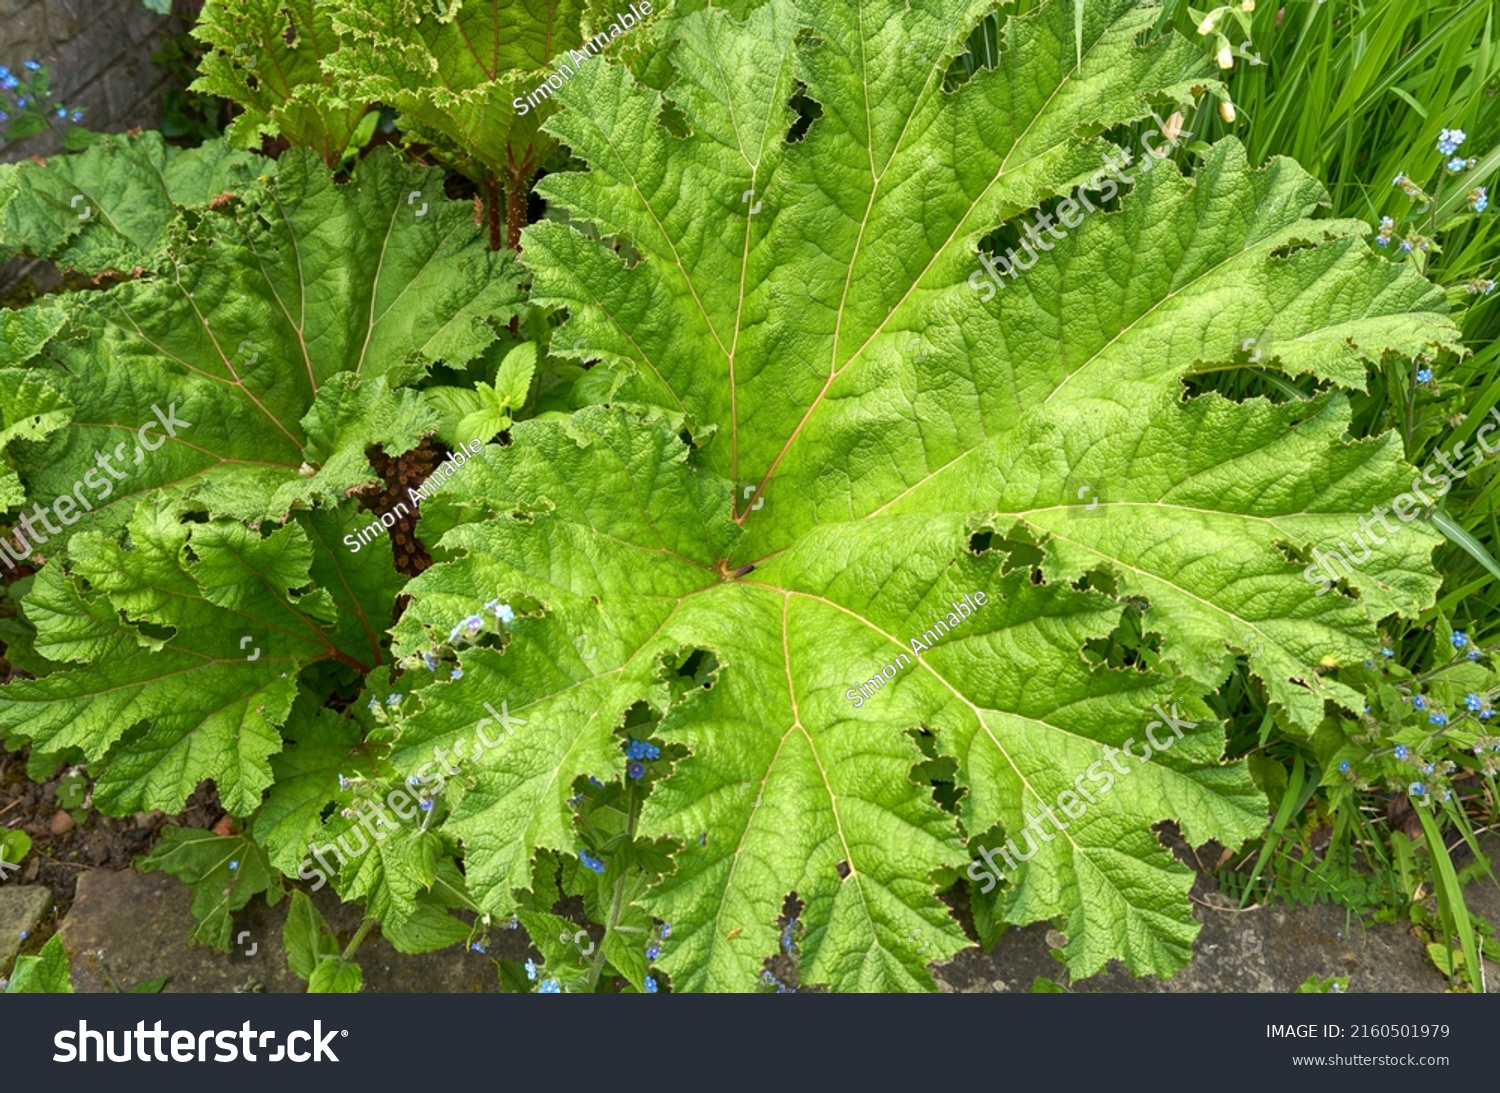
point(109, 207)
point(453, 68)
point(267, 56)
point(45, 973)
point(858, 414)
point(277, 327)
point(190, 640)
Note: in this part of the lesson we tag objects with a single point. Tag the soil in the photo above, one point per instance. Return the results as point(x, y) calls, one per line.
point(93, 841)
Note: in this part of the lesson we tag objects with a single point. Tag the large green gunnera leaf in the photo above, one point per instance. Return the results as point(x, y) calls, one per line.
point(273, 336)
point(890, 507)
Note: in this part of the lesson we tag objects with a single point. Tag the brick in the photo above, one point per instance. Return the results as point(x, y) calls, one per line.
point(120, 84)
point(9, 8)
point(141, 22)
point(25, 36)
point(66, 18)
point(86, 54)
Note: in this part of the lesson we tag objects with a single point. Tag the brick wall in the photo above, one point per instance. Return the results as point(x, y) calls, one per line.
point(99, 54)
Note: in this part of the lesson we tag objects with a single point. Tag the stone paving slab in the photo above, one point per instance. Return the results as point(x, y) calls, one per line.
point(141, 922)
point(1262, 950)
point(22, 908)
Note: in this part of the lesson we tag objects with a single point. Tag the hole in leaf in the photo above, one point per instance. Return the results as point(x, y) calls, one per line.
point(807, 110)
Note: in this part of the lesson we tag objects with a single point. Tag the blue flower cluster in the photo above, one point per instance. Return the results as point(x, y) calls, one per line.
point(1450, 139)
point(466, 629)
point(464, 632)
point(590, 862)
point(653, 947)
point(636, 751)
point(21, 94)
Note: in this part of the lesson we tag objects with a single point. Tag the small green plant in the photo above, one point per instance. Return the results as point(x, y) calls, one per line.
point(45, 973)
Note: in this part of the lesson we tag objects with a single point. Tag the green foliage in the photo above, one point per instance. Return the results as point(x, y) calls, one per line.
point(804, 441)
point(268, 56)
point(192, 607)
point(313, 952)
point(1332, 984)
point(486, 409)
point(223, 872)
point(45, 973)
point(26, 106)
point(453, 67)
point(109, 208)
point(744, 328)
point(14, 846)
point(280, 324)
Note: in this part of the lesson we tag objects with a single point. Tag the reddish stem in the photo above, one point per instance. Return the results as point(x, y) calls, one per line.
point(515, 212)
point(492, 210)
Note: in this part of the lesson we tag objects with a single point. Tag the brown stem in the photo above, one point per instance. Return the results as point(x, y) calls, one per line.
point(515, 212)
point(492, 209)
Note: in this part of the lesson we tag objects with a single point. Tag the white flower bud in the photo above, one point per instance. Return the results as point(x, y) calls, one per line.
point(1225, 58)
point(1226, 111)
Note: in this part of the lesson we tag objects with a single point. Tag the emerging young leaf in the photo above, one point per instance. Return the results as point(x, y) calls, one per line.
point(459, 72)
point(840, 452)
point(46, 973)
point(267, 56)
point(307, 938)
